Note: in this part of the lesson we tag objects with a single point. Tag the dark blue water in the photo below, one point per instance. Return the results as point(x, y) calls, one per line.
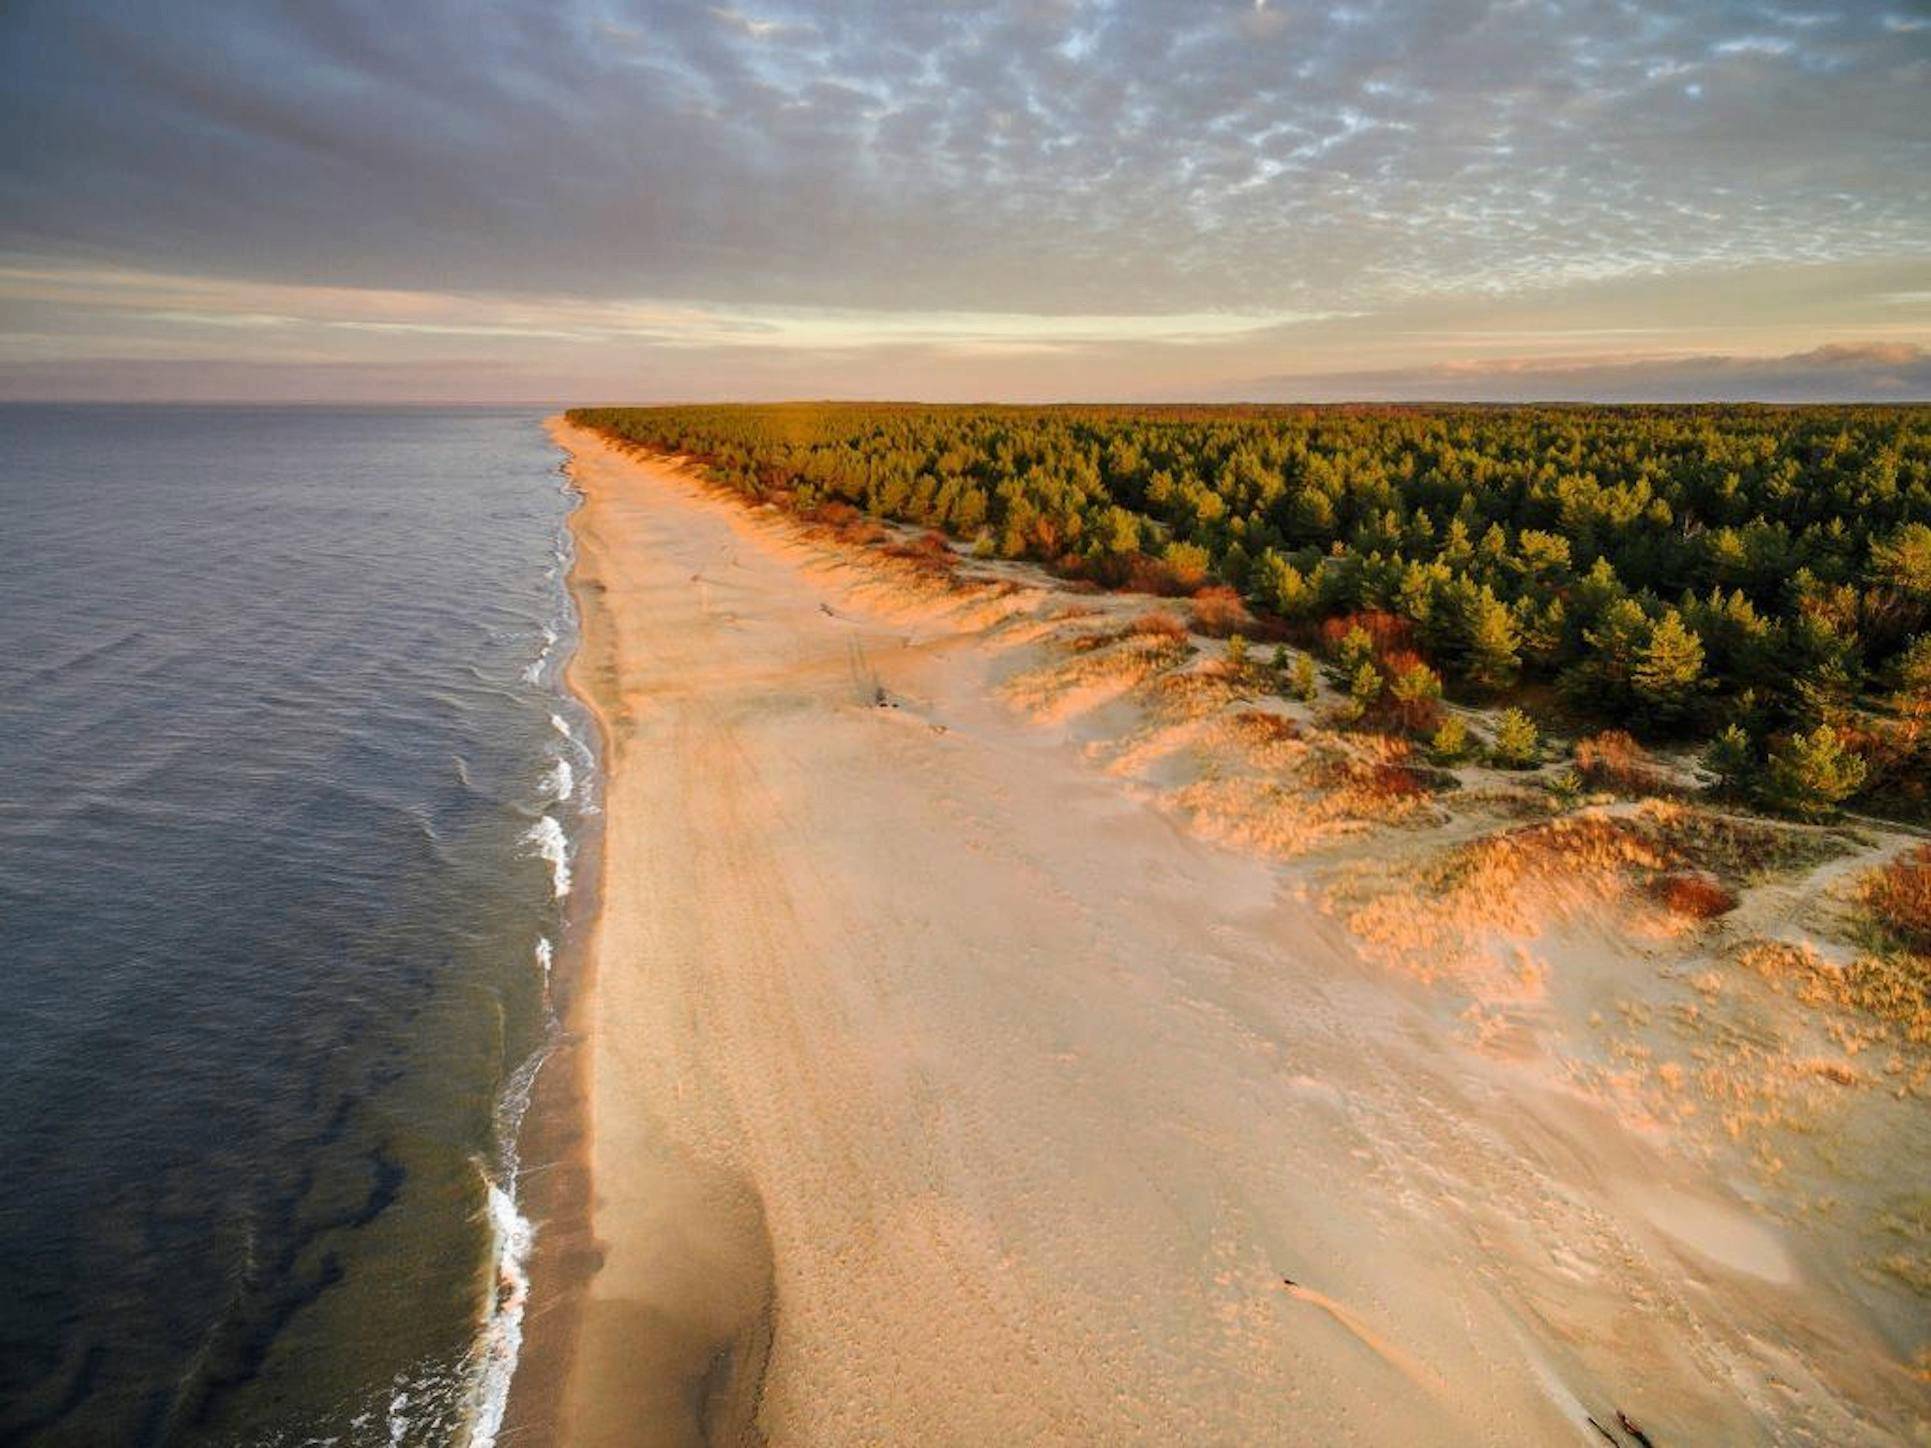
point(280, 731)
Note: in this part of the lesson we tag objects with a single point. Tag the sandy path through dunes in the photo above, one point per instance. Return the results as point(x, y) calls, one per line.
point(939, 1093)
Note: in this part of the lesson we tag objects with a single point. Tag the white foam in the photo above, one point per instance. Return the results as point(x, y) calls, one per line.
point(559, 781)
point(502, 1340)
point(553, 845)
point(535, 670)
point(561, 725)
point(398, 1421)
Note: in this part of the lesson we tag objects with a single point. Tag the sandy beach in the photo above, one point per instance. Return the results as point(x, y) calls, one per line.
point(940, 1088)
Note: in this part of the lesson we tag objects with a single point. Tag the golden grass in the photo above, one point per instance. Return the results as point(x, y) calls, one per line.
point(1613, 760)
point(1274, 790)
point(1886, 994)
point(1661, 865)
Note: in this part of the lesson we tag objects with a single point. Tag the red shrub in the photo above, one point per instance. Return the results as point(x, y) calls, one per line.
point(929, 550)
point(1395, 781)
point(1218, 611)
point(1149, 575)
point(1900, 895)
point(1159, 623)
point(1390, 632)
point(1694, 897)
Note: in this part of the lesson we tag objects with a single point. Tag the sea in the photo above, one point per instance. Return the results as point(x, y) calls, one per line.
point(292, 801)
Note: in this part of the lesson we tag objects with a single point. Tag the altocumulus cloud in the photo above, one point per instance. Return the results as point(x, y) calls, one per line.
point(945, 184)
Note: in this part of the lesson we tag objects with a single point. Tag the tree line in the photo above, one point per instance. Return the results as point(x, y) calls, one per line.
point(1748, 576)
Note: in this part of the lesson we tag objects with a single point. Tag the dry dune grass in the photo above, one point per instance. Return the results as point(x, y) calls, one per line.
point(1331, 797)
point(1250, 777)
point(1271, 785)
point(1445, 914)
point(1664, 867)
point(1095, 671)
point(1614, 761)
point(1885, 993)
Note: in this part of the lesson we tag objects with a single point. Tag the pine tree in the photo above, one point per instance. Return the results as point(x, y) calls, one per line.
point(1731, 758)
point(1493, 643)
point(1668, 672)
point(1355, 649)
point(1516, 739)
point(1414, 691)
point(1363, 689)
point(1617, 642)
point(1451, 740)
point(1306, 686)
point(1811, 774)
point(1281, 586)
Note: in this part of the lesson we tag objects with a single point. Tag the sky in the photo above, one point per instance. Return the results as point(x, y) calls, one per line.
point(595, 201)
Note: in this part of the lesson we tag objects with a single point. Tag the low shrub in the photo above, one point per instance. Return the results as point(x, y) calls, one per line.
point(1613, 760)
point(1159, 622)
point(1899, 895)
point(1693, 896)
point(1219, 613)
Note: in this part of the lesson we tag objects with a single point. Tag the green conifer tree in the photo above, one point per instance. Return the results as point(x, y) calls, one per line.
point(1811, 774)
point(1667, 676)
point(1516, 740)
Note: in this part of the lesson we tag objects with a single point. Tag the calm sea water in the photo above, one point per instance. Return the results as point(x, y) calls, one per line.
point(288, 797)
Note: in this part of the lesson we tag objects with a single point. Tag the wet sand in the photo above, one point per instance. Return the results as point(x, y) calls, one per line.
point(937, 1091)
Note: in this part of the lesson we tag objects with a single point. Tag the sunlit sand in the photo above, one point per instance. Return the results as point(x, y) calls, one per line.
point(965, 1066)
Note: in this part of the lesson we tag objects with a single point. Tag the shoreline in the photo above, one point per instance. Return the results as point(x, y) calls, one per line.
point(719, 1402)
point(869, 1145)
point(556, 1133)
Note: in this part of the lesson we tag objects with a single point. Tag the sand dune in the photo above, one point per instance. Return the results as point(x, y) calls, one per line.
point(943, 1087)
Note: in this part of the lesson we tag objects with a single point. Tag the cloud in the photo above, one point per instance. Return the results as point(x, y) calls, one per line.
point(1020, 156)
point(1895, 372)
point(683, 176)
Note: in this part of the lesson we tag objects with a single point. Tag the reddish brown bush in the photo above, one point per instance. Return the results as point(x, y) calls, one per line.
point(1159, 623)
point(1899, 895)
point(1142, 574)
point(1395, 781)
point(1390, 633)
point(1218, 611)
point(835, 514)
point(1694, 897)
point(1614, 760)
point(928, 550)
point(1257, 727)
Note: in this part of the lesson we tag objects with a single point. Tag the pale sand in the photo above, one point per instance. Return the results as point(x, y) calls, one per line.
point(939, 1092)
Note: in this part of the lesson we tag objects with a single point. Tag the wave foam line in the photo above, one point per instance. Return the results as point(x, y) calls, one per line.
point(499, 1343)
point(502, 1342)
point(535, 671)
point(554, 846)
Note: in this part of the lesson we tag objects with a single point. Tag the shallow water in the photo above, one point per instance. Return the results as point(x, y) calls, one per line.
point(289, 795)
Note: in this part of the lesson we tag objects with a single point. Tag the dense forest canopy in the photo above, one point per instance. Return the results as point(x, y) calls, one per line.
point(1762, 573)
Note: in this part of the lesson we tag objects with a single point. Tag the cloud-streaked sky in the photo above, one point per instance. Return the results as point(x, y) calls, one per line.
point(452, 200)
